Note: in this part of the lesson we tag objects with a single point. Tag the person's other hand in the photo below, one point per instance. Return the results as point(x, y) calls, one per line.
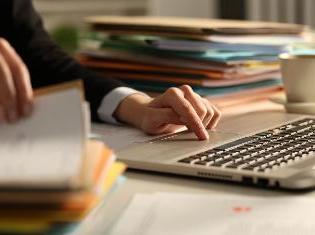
point(16, 95)
point(170, 111)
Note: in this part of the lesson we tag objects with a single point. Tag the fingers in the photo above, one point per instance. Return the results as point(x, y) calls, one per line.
point(21, 78)
point(187, 108)
point(210, 113)
point(2, 115)
point(215, 119)
point(195, 100)
point(7, 91)
point(207, 112)
point(175, 99)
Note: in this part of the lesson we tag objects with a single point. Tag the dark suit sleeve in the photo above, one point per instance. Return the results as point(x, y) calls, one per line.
point(47, 63)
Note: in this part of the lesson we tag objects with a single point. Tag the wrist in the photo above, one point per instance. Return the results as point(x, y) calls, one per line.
point(131, 109)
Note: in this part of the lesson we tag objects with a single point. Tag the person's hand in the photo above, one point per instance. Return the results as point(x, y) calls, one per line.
point(170, 111)
point(16, 95)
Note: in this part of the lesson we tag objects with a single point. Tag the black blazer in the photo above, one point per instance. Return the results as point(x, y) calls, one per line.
point(21, 25)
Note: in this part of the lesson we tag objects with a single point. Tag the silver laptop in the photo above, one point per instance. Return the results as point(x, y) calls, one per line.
point(271, 149)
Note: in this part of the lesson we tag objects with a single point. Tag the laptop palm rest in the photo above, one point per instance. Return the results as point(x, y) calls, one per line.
point(174, 146)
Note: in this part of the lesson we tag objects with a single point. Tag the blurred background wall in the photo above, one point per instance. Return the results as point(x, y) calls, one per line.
point(71, 11)
point(64, 17)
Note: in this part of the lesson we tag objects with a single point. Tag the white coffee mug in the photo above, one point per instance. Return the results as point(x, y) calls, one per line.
point(298, 74)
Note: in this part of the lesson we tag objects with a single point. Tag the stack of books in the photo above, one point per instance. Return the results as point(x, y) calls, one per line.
point(218, 58)
point(51, 175)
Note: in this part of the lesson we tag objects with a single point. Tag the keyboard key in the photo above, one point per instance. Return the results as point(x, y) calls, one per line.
point(234, 144)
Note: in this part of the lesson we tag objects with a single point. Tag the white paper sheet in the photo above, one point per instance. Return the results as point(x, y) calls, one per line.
point(186, 214)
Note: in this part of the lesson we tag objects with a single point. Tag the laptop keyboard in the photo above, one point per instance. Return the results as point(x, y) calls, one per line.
point(264, 151)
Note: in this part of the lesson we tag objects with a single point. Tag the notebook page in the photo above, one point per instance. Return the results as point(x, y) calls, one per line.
point(44, 150)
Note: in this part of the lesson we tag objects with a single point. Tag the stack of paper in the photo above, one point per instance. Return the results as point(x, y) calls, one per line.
point(203, 214)
point(51, 176)
point(216, 57)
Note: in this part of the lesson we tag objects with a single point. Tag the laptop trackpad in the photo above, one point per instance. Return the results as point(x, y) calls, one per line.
point(175, 146)
point(183, 137)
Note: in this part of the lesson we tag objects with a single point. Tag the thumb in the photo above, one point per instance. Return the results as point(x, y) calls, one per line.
point(157, 119)
point(167, 116)
point(161, 120)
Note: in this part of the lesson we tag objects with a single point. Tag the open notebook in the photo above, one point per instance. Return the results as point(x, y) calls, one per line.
point(47, 150)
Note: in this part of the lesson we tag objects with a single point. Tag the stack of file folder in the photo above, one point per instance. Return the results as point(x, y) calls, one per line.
point(51, 175)
point(218, 58)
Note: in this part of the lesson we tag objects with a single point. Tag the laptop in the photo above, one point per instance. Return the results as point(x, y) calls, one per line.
point(270, 149)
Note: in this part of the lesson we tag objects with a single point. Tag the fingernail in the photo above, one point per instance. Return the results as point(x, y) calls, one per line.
point(206, 134)
point(12, 115)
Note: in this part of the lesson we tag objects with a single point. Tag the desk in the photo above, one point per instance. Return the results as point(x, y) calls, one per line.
point(144, 182)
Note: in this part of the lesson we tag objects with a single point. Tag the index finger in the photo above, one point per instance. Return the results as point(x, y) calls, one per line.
point(175, 98)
